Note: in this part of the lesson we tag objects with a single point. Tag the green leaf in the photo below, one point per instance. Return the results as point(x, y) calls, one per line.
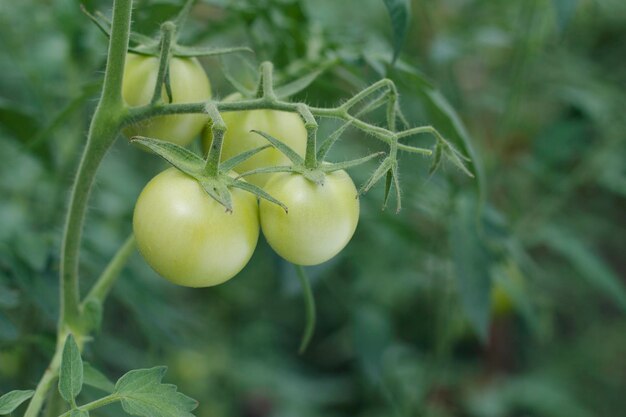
point(79, 413)
point(96, 379)
point(471, 264)
point(71, 371)
point(297, 85)
point(282, 147)
point(12, 399)
point(309, 309)
point(181, 158)
point(142, 394)
point(591, 267)
point(18, 122)
point(399, 12)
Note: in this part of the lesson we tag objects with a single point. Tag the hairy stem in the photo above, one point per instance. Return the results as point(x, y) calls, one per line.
point(103, 285)
point(49, 376)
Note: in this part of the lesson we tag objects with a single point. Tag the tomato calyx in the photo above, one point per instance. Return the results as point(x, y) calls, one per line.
point(216, 184)
point(315, 173)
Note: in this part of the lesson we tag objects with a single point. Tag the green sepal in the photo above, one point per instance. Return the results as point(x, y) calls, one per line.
point(314, 175)
point(455, 157)
point(231, 163)
point(336, 166)
point(217, 190)
point(194, 51)
point(284, 149)
point(378, 174)
point(330, 141)
point(269, 170)
point(436, 159)
point(145, 44)
point(396, 184)
point(259, 192)
point(414, 149)
point(182, 158)
point(388, 180)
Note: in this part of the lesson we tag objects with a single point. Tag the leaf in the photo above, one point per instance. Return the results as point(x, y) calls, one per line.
point(79, 413)
point(18, 122)
point(96, 379)
point(591, 267)
point(399, 12)
point(297, 85)
point(471, 264)
point(142, 394)
point(181, 158)
point(71, 371)
point(12, 399)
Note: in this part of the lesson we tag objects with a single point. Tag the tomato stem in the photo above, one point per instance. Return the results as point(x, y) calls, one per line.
point(310, 159)
point(218, 127)
point(168, 30)
point(103, 285)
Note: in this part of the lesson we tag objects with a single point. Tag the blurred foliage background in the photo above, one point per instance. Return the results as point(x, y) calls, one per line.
point(497, 297)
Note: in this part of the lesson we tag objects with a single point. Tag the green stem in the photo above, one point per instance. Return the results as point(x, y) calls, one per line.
point(104, 128)
point(95, 404)
point(266, 89)
point(167, 33)
point(103, 285)
point(116, 56)
point(309, 308)
point(218, 128)
point(310, 160)
point(51, 373)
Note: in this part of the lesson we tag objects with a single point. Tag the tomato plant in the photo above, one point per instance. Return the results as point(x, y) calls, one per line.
point(189, 83)
point(286, 126)
point(188, 237)
point(320, 221)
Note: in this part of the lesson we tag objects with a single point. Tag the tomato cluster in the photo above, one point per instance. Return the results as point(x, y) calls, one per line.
point(188, 237)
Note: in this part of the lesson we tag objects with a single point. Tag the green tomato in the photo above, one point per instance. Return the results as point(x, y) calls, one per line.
point(189, 238)
point(286, 126)
point(321, 218)
point(188, 83)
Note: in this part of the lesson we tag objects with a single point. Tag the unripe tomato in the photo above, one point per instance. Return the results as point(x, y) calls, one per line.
point(189, 238)
point(321, 218)
point(286, 126)
point(188, 83)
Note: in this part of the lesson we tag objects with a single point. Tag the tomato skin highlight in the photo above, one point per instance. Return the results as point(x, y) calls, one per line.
point(189, 83)
point(189, 238)
point(321, 218)
point(286, 126)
